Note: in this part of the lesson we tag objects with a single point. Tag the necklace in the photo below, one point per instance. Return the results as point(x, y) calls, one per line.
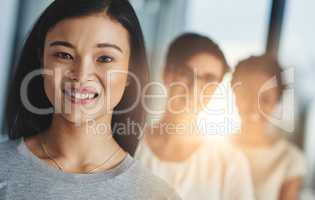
point(87, 172)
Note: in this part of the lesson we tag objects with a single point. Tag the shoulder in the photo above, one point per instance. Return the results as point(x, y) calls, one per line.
point(233, 163)
point(293, 152)
point(7, 149)
point(234, 168)
point(289, 152)
point(232, 160)
point(7, 155)
point(143, 181)
point(296, 162)
point(142, 153)
point(228, 153)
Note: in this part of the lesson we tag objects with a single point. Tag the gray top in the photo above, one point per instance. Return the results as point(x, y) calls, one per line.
point(24, 176)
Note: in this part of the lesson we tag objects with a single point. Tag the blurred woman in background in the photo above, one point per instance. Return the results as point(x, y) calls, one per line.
point(277, 165)
point(173, 148)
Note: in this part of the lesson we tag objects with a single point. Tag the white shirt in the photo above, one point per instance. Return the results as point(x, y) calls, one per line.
point(271, 167)
point(214, 171)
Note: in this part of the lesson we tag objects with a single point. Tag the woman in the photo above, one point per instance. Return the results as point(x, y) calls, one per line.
point(173, 148)
point(69, 92)
point(277, 165)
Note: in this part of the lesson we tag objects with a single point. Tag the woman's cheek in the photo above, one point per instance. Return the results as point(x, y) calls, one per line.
point(115, 86)
point(49, 88)
point(52, 86)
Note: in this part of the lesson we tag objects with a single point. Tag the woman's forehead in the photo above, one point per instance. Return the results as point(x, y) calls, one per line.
point(203, 63)
point(255, 81)
point(87, 31)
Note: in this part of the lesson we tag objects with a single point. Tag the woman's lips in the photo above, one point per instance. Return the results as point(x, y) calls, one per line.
point(81, 96)
point(81, 89)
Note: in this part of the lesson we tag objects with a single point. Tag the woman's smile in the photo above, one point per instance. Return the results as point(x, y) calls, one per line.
point(81, 95)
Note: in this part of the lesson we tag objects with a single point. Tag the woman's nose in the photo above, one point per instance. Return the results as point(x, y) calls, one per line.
point(82, 71)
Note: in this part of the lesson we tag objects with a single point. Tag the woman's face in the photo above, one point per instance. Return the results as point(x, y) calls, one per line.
point(254, 101)
point(87, 58)
point(192, 86)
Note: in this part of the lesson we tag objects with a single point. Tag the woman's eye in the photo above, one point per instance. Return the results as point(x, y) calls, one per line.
point(63, 55)
point(105, 59)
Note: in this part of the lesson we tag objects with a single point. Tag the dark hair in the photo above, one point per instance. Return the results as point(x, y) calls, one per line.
point(23, 123)
point(262, 64)
point(189, 44)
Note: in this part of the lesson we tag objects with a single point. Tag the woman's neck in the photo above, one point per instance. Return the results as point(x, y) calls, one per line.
point(81, 143)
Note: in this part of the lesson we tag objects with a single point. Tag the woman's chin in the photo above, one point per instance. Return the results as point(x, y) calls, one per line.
point(78, 119)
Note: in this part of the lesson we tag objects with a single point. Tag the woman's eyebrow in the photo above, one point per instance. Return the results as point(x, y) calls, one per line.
point(62, 43)
point(108, 45)
point(100, 45)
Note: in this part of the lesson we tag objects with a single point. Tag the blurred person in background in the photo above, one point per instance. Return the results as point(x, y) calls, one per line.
point(277, 165)
point(173, 148)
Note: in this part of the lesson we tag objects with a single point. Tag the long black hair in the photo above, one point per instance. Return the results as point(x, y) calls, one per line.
point(23, 123)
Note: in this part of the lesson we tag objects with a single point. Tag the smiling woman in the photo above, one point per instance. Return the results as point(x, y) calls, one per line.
point(83, 63)
point(88, 60)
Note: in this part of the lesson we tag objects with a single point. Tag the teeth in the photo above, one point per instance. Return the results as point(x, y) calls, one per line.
point(79, 95)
